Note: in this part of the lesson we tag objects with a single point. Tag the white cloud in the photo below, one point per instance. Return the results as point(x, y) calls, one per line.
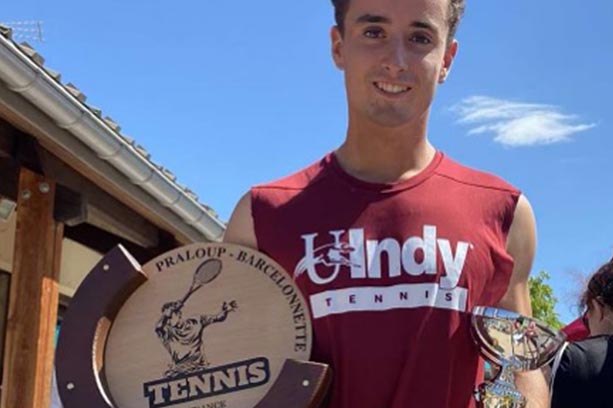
point(516, 123)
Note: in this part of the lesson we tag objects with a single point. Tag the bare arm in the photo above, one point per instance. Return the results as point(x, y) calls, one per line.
point(226, 308)
point(240, 229)
point(521, 243)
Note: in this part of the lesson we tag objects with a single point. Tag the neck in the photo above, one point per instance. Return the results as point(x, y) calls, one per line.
point(602, 332)
point(383, 155)
point(604, 327)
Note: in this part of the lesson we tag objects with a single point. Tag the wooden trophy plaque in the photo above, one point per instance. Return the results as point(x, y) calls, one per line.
point(202, 326)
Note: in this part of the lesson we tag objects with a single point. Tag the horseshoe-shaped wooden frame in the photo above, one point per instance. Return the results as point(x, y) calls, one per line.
point(79, 358)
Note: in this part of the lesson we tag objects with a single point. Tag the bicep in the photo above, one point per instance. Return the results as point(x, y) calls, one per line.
point(521, 244)
point(240, 229)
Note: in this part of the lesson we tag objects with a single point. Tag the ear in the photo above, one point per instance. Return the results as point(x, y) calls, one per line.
point(448, 58)
point(336, 41)
point(599, 309)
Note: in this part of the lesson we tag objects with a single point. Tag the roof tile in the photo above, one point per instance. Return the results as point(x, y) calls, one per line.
point(127, 139)
point(76, 92)
point(54, 74)
point(190, 193)
point(111, 123)
point(171, 176)
point(142, 151)
point(6, 31)
point(97, 111)
point(31, 52)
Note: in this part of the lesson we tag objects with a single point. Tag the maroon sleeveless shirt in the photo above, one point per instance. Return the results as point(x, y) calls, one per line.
point(391, 272)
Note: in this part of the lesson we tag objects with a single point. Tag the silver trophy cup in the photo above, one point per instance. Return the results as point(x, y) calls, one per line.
point(514, 343)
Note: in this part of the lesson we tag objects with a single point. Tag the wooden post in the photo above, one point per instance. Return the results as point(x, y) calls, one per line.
point(33, 301)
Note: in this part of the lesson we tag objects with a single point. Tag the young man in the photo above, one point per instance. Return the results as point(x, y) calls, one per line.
point(392, 242)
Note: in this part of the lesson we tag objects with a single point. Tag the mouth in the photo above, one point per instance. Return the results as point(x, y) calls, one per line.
point(391, 89)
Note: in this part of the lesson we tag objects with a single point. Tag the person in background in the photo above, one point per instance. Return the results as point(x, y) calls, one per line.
point(584, 373)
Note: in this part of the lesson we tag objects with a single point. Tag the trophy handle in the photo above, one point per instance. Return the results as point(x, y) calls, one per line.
point(79, 356)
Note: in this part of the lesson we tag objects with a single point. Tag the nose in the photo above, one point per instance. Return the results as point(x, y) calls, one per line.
point(395, 60)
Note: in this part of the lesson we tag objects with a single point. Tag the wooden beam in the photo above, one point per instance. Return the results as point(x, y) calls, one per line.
point(33, 302)
point(102, 241)
point(8, 139)
point(5, 284)
point(16, 149)
point(26, 152)
point(70, 206)
point(50, 298)
point(9, 175)
point(99, 208)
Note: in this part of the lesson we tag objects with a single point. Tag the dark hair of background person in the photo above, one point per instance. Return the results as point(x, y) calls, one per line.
point(600, 287)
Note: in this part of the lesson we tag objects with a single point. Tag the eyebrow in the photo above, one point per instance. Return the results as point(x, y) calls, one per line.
point(373, 18)
point(424, 25)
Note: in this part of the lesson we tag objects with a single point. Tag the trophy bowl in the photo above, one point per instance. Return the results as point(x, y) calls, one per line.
point(515, 343)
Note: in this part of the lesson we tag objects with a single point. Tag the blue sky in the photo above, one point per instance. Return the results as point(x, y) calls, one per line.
point(231, 93)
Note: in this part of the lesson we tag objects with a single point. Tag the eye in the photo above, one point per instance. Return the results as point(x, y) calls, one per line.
point(420, 39)
point(374, 32)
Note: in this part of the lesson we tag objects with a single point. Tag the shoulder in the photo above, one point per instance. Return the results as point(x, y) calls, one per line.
point(469, 176)
point(297, 180)
point(239, 229)
point(281, 190)
point(582, 359)
point(589, 348)
point(567, 383)
point(273, 194)
point(572, 367)
point(572, 353)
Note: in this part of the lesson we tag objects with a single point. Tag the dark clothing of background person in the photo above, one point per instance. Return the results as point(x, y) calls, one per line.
point(585, 375)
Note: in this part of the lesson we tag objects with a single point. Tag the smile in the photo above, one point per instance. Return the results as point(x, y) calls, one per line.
point(391, 88)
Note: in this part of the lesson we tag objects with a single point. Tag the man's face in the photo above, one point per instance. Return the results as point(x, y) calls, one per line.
point(393, 54)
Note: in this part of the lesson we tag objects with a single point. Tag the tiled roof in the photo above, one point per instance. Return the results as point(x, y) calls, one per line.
point(35, 57)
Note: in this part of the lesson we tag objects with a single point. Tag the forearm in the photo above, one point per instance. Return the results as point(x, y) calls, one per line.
point(221, 317)
point(521, 243)
point(533, 386)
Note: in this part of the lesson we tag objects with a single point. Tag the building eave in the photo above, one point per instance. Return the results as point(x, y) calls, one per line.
point(25, 75)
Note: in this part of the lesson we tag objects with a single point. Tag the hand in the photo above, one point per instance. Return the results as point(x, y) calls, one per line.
point(229, 306)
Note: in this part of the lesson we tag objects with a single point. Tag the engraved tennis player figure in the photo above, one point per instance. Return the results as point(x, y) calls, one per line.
point(181, 337)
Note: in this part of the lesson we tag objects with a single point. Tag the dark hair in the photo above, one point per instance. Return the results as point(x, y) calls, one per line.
point(600, 286)
point(456, 10)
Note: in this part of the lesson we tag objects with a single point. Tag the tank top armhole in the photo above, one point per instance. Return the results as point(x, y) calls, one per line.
point(503, 261)
point(509, 215)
